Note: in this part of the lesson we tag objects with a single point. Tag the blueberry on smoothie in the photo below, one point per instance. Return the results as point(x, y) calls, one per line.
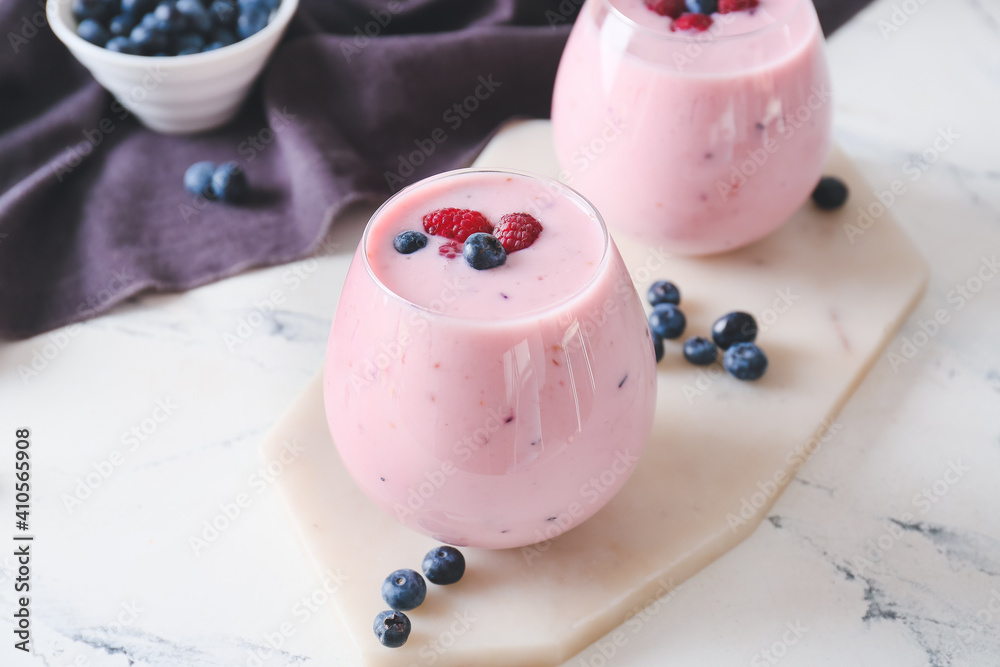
point(483, 251)
point(404, 590)
point(392, 628)
point(444, 565)
point(663, 291)
point(700, 351)
point(702, 6)
point(734, 328)
point(406, 243)
point(745, 361)
point(667, 321)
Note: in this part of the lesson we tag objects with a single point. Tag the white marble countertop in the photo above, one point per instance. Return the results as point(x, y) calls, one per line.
point(884, 551)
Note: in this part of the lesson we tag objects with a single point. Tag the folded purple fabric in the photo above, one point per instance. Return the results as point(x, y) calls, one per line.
point(362, 97)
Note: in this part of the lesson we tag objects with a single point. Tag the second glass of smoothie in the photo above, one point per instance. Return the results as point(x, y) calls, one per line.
point(699, 141)
point(491, 408)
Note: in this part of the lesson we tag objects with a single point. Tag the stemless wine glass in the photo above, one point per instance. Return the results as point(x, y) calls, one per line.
point(493, 408)
point(700, 142)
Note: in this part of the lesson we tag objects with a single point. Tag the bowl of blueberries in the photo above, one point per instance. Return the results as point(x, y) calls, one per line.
point(181, 66)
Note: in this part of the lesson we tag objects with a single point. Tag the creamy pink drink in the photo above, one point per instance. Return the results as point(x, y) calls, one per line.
point(491, 408)
point(698, 141)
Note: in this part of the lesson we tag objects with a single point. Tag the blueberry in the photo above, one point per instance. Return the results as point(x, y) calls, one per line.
point(483, 251)
point(168, 19)
point(121, 25)
point(667, 321)
point(734, 328)
point(229, 183)
point(191, 42)
point(223, 36)
point(657, 347)
point(213, 46)
point(745, 361)
point(122, 45)
point(148, 21)
point(444, 565)
point(147, 40)
point(392, 628)
point(137, 8)
point(198, 179)
point(198, 18)
point(404, 590)
point(93, 32)
point(223, 14)
point(702, 6)
point(98, 10)
point(830, 194)
point(252, 20)
point(409, 242)
point(663, 292)
point(700, 351)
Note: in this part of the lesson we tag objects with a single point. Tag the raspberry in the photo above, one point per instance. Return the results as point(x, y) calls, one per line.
point(726, 6)
point(455, 223)
point(700, 22)
point(517, 231)
point(450, 249)
point(671, 8)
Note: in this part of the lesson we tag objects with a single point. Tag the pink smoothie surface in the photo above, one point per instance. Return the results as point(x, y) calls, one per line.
point(492, 408)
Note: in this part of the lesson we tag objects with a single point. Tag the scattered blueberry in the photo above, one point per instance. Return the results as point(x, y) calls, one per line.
point(830, 194)
point(663, 292)
point(745, 361)
point(404, 590)
point(121, 25)
point(734, 328)
point(229, 183)
point(657, 347)
point(409, 242)
point(252, 19)
point(93, 32)
point(702, 6)
point(444, 565)
point(392, 628)
point(700, 351)
point(198, 179)
point(122, 45)
point(667, 321)
point(483, 251)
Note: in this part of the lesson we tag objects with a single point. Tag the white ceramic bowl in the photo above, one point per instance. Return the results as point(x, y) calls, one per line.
point(176, 94)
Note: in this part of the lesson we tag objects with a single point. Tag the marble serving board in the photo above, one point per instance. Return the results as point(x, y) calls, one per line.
point(828, 296)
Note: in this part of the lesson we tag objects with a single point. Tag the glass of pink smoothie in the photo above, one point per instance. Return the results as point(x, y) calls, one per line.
point(698, 141)
point(490, 408)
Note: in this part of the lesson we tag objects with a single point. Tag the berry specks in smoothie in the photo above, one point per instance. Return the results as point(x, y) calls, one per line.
point(622, 383)
point(517, 231)
point(456, 223)
point(699, 22)
point(671, 8)
point(450, 249)
point(727, 6)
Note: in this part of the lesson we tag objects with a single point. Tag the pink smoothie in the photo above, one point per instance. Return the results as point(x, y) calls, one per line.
point(698, 141)
point(492, 408)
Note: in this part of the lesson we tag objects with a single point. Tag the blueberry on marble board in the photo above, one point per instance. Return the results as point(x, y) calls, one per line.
point(830, 194)
point(404, 590)
point(732, 328)
point(667, 321)
point(700, 351)
point(392, 628)
point(745, 361)
point(444, 565)
point(663, 291)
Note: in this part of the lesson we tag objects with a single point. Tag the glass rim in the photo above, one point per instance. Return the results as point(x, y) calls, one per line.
point(638, 27)
point(564, 190)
